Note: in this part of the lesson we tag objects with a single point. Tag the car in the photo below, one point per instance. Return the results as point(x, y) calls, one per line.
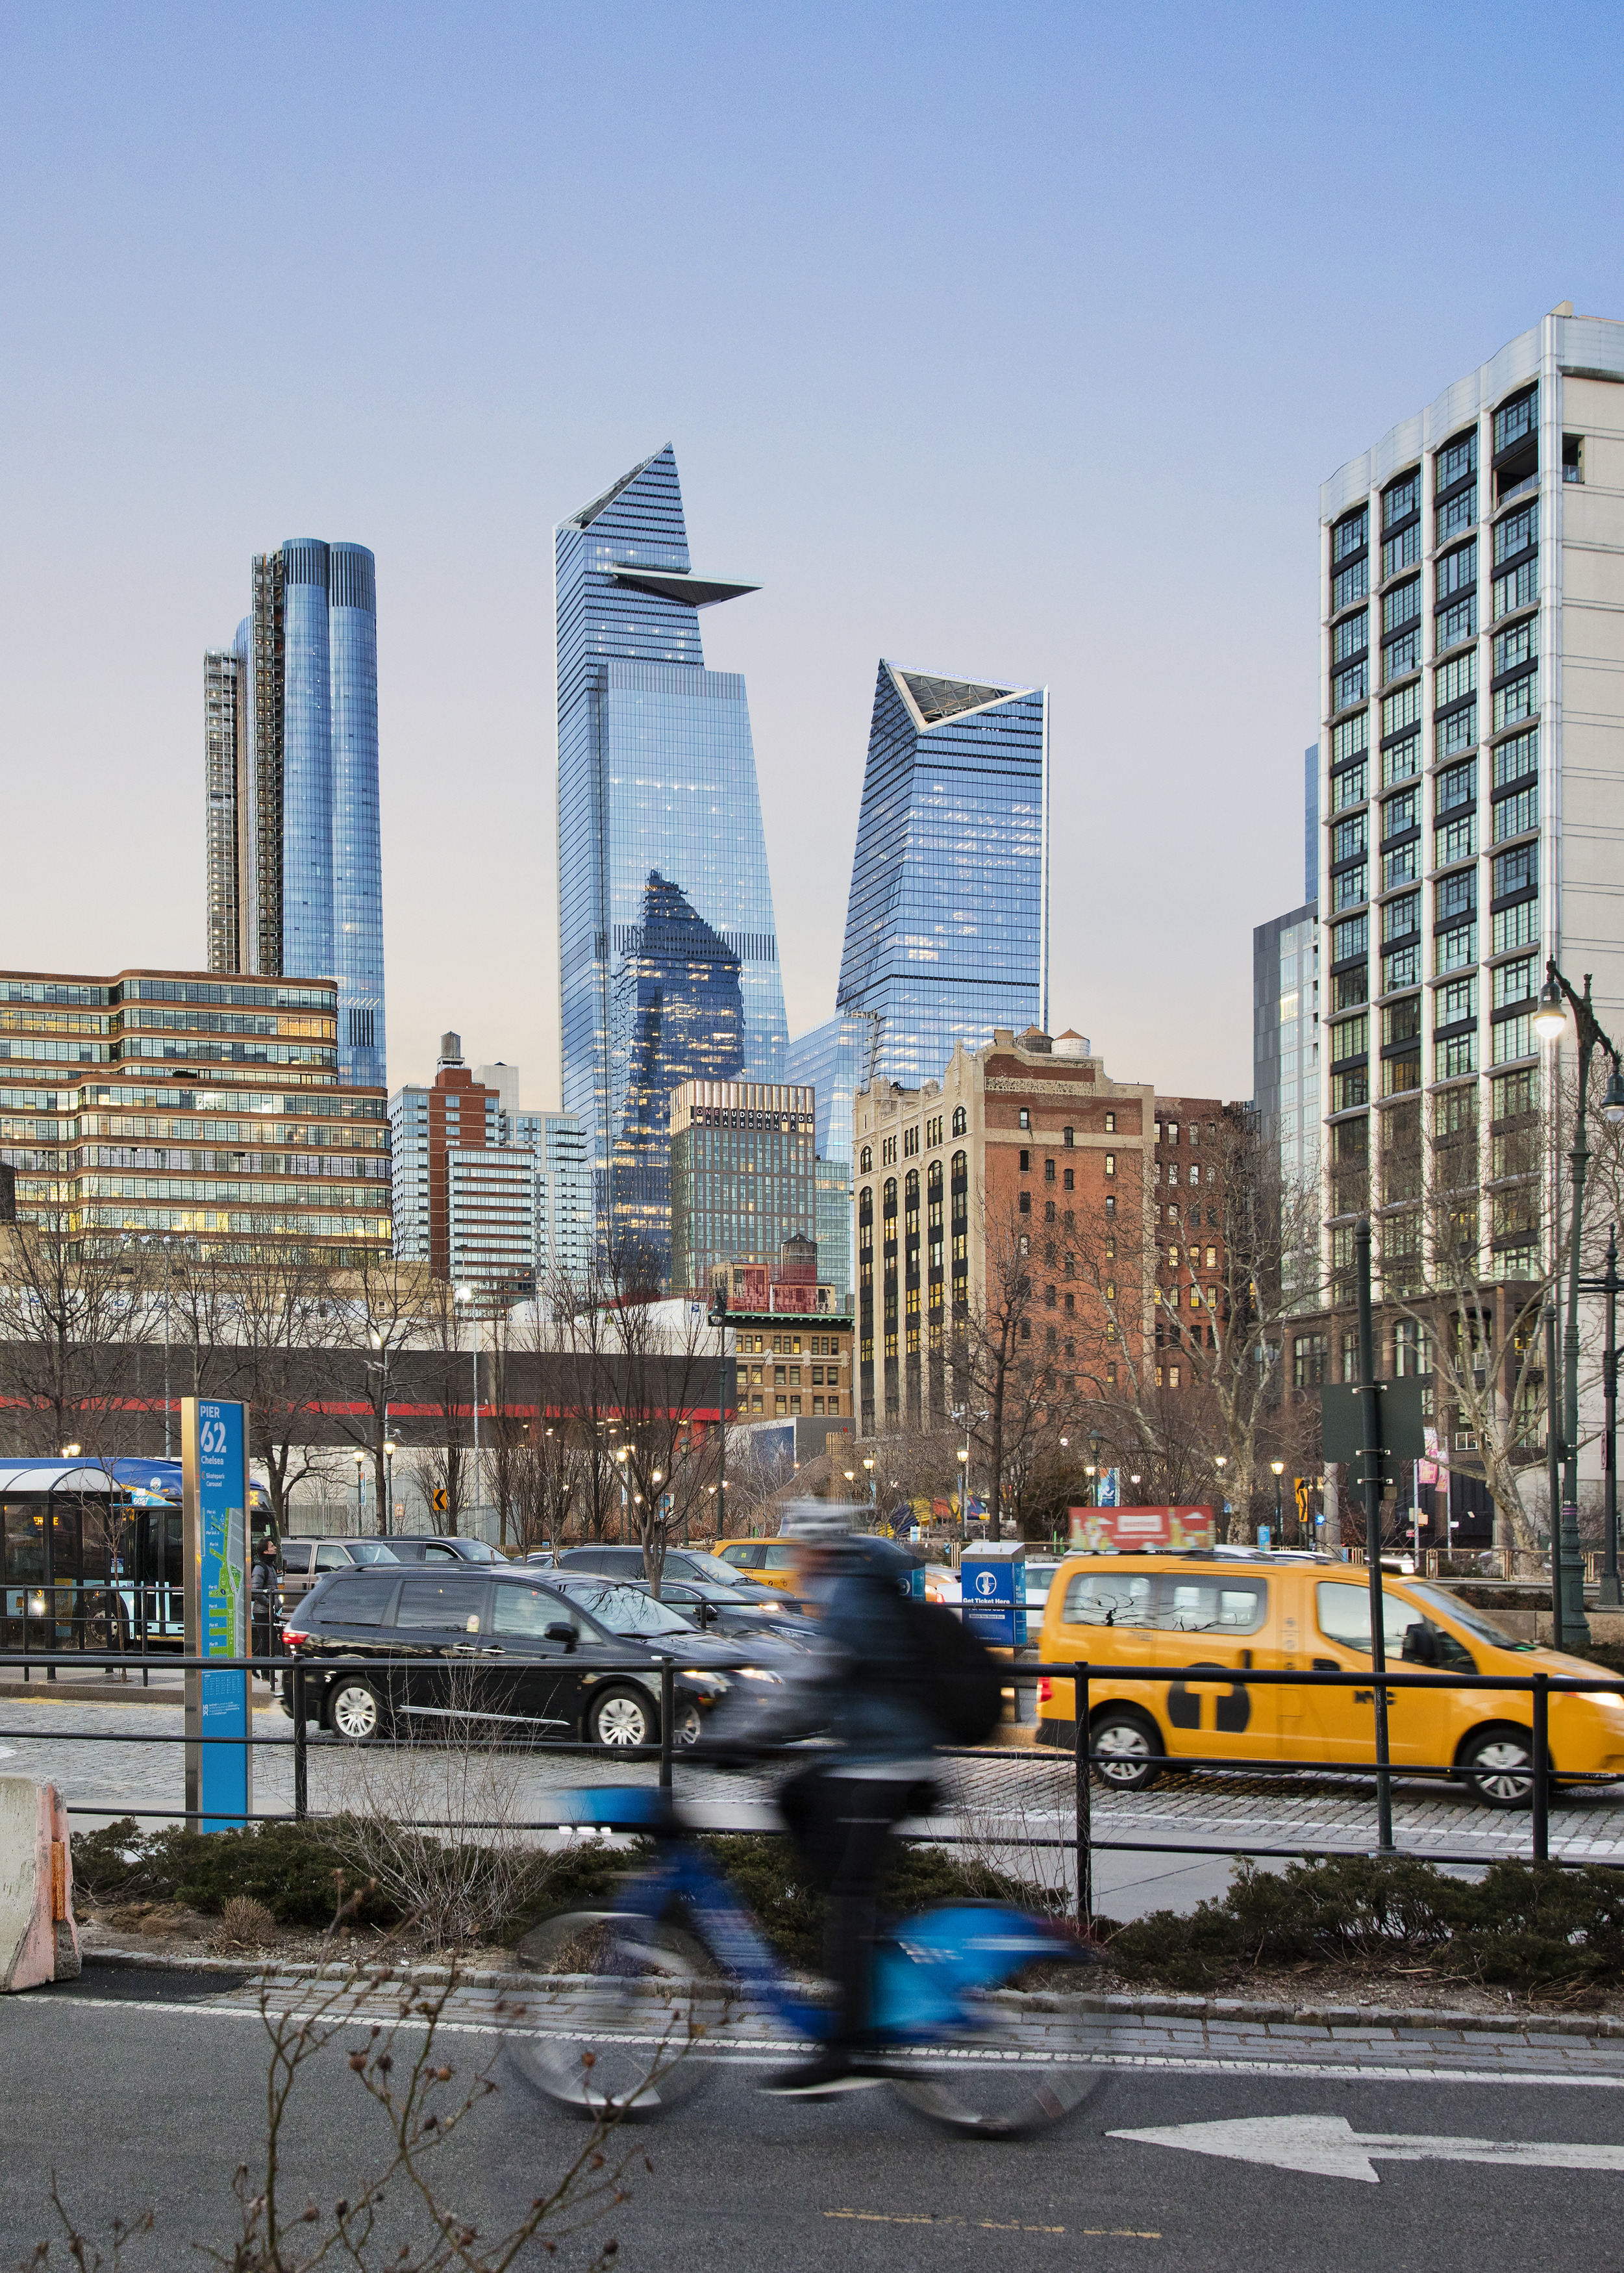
point(1207, 1618)
point(442, 1546)
point(734, 1621)
point(627, 1606)
point(302, 1562)
point(489, 1644)
point(689, 1564)
point(767, 1562)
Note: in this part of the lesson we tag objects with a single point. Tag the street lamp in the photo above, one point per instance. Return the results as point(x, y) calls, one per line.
point(465, 1295)
point(71, 1451)
point(1134, 1481)
point(359, 1457)
point(1567, 1564)
point(873, 1488)
point(389, 1452)
point(620, 1456)
point(1279, 1470)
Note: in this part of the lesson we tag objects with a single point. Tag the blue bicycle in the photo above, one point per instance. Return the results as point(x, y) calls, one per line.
point(932, 1975)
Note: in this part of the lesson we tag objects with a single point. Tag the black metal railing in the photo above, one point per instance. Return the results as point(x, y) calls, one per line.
point(294, 1673)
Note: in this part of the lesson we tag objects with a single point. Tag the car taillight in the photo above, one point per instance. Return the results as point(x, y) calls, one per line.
point(294, 1635)
point(1045, 1691)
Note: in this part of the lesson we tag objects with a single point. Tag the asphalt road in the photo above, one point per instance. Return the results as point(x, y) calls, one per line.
point(141, 2093)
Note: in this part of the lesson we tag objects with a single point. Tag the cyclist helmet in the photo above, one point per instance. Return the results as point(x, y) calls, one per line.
point(815, 1523)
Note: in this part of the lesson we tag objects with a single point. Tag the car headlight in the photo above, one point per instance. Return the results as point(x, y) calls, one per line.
point(703, 1679)
point(756, 1673)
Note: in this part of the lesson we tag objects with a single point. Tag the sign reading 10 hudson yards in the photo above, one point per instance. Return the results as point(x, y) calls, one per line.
point(214, 1477)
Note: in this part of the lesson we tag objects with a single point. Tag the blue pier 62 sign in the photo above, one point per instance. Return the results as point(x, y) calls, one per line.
point(214, 1476)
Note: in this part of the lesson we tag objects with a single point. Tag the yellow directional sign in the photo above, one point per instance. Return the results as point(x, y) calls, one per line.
point(439, 1499)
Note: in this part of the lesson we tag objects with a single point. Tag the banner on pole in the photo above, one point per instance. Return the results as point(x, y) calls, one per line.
point(214, 1497)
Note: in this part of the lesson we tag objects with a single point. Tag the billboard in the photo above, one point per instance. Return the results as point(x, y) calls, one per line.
point(214, 1497)
point(1120, 1530)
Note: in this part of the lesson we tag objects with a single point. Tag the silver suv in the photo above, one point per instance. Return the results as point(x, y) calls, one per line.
point(303, 1561)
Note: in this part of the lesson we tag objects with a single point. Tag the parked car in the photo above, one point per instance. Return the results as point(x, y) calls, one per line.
point(1207, 1618)
point(414, 1547)
point(707, 1612)
point(627, 1606)
point(769, 1561)
point(491, 1645)
point(303, 1561)
point(689, 1564)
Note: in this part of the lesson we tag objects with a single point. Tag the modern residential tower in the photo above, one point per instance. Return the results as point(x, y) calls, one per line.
point(667, 949)
point(290, 710)
point(1471, 784)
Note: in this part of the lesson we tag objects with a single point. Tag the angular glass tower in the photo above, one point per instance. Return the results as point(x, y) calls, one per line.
point(294, 865)
point(947, 924)
point(667, 951)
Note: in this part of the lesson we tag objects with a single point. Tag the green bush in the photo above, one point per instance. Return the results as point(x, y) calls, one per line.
point(1527, 1925)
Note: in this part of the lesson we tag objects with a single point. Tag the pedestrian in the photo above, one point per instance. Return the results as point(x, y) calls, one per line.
point(262, 1603)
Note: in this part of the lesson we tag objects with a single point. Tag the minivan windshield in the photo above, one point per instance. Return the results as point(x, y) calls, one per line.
point(627, 1609)
point(1438, 1598)
point(371, 1550)
point(711, 1567)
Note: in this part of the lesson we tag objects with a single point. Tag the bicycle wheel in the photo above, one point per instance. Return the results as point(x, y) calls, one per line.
point(626, 2051)
point(988, 2085)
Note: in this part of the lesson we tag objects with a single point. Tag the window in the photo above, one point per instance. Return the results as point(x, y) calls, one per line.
point(1515, 419)
point(1350, 585)
point(1343, 1611)
point(1400, 499)
point(1456, 840)
point(866, 1164)
point(1111, 1164)
point(1025, 1204)
point(1517, 646)
point(1401, 710)
point(528, 1612)
point(1456, 1055)
point(1111, 1124)
point(1455, 1001)
point(1400, 657)
point(1514, 982)
point(1049, 1176)
point(1399, 816)
point(1348, 536)
point(1516, 871)
point(1351, 637)
point(1455, 572)
point(1516, 533)
point(1454, 680)
point(1349, 839)
point(1457, 787)
point(1350, 740)
point(1518, 588)
point(1026, 1118)
point(1458, 624)
point(1400, 607)
point(446, 1605)
point(1212, 1258)
point(1401, 762)
point(1350, 685)
point(1457, 459)
point(1350, 938)
point(1067, 1136)
point(1401, 551)
point(1026, 1160)
point(1516, 926)
point(1457, 513)
point(1573, 457)
point(1070, 1180)
point(1349, 788)
point(960, 1121)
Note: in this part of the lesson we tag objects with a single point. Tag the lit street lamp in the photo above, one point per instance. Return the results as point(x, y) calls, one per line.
point(1279, 1470)
point(389, 1452)
point(465, 1295)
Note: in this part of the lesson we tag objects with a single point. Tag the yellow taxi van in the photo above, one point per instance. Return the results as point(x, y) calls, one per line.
point(1207, 1616)
point(769, 1562)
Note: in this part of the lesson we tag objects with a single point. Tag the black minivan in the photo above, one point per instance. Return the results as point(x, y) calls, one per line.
point(497, 1647)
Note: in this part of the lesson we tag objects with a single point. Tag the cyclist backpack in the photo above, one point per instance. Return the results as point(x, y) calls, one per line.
point(961, 1684)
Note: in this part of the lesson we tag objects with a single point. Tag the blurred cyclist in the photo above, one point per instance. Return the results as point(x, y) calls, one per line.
point(841, 1811)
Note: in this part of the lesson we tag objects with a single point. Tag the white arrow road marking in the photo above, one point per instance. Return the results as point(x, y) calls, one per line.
point(1328, 2145)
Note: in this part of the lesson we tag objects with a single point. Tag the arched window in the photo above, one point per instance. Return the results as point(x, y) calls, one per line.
point(866, 1165)
point(960, 1121)
point(890, 1197)
point(933, 1179)
point(865, 1205)
point(911, 1195)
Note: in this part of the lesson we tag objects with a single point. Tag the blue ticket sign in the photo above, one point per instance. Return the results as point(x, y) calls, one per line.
point(992, 1594)
point(214, 1493)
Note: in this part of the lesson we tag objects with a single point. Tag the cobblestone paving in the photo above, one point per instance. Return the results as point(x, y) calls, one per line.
point(1001, 1799)
point(1097, 2032)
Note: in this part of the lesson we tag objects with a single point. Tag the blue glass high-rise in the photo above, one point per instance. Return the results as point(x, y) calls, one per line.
point(295, 869)
point(948, 923)
point(668, 948)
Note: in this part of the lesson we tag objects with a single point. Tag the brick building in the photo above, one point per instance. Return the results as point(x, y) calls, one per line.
point(1187, 1230)
point(1025, 1157)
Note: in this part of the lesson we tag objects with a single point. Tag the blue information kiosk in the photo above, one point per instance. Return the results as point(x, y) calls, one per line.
point(220, 1790)
point(992, 1591)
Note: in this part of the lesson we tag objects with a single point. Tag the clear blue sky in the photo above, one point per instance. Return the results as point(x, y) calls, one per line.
point(1012, 343)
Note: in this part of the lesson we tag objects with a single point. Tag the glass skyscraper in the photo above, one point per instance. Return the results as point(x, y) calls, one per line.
point(294, 868)
point(948, 923)
point(667, 948)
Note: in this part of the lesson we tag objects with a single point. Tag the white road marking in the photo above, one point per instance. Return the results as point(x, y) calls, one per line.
point(1328, 2147)
point(768, 2052)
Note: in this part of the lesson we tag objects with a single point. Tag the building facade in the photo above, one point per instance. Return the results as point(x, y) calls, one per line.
point(947, 921)
point(1190, 1264)
point(792, 1340)
point(743, 1177)
point(182, 1103)
point(1472, 785)
point(668, 946)
point(294, 874)
point(1025, 1158)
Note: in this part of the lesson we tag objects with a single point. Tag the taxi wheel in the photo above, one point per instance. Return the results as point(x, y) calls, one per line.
point(1499, 1764)
point(1127, 1748)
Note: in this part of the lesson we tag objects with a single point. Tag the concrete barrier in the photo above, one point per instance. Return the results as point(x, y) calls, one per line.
point(39, 1940)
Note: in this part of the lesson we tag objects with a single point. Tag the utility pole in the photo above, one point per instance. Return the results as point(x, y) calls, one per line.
point(1372, 1536)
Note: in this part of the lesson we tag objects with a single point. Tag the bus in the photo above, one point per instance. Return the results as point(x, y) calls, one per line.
point(92, 1554)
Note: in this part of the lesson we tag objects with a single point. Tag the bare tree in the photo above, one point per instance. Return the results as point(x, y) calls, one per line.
point(995, 1366)
point(383, 1309)
point(661, 1369)
point(272, 1296)
point(74, 1315)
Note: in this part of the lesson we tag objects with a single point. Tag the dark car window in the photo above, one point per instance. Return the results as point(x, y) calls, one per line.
point(709, 1568)
point(585, 1558)
point(745, 1558)
point(525, 1612)
point(618, 1562)
point(332, 1556)
point(778, 1559)
point(631, 1610)
point(361, 1600)
point(296, 1557)
point(1215, 1605)
point(441, 1605)
point(434, 1553)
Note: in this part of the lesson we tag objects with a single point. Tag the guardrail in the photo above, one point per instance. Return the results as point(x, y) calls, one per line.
point(1083, 1845)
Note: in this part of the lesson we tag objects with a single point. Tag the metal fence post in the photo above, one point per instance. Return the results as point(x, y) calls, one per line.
point(1542, 1777)
point(667, 1707)
point(1080, 1749)
point(301, 1755)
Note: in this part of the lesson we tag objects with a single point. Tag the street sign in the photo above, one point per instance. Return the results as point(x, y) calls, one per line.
point(214, 1499)
point(1301, 1488)
point(1328, 2147)
point(439, 1499)
point(992, 1592)
point(1400, 1429)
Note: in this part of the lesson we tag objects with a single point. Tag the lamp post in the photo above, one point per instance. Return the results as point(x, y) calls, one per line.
point(1278, 1468)
point(387, 1526)
point(873, 1488)
point(465, 1295)
point(1549, 1022)
point(379, 1364)
point(620, 1458)
point(359, 1457)
point(718, 1318)
point(1609, 1593)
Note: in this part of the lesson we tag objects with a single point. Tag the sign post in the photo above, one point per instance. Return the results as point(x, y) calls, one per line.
point(215, 1498)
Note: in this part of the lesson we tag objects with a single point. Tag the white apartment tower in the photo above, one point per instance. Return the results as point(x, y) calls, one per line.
point(1471, 788)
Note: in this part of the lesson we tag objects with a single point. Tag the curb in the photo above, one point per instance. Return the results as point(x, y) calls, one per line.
point(1594, 2026)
